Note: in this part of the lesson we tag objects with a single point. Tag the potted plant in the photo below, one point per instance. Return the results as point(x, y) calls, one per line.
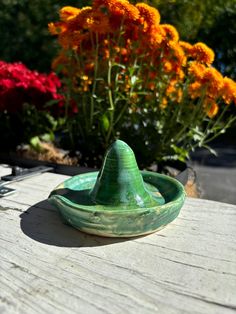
point(23, 95)
point(125, 75)
point(24, 113)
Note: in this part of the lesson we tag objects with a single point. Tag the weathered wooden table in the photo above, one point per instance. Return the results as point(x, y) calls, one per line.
point(48, 267)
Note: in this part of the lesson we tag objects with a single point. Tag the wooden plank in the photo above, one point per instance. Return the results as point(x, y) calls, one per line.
point(48, 267)
point(31, 190)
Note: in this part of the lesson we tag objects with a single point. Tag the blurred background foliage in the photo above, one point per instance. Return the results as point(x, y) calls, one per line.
point(24, 35)
point(209, 21)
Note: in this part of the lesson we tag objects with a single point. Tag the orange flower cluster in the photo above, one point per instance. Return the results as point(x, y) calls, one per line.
point(229, 91)
point(210, 81)
point(202, 53)
point(118, 31)
point(149, 17)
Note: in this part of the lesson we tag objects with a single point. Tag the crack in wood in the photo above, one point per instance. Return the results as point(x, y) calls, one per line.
point(185, 252)
point(203, 299)
point(10, 208)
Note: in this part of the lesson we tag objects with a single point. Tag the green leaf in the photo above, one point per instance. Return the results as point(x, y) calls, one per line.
point(180, 152)
point(52, 102)
point(132, 69)
point(133, 79)
point(211, 150)
point(105, 122)
point(47, 137)
point(35, 143)
point(118, 65)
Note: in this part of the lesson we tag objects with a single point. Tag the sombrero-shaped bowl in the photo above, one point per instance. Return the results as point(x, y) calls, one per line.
point(72, 199)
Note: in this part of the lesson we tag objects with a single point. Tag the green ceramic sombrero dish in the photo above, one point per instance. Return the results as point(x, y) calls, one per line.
point(119, 200)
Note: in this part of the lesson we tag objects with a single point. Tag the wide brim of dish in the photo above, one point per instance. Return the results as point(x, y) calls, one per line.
point(72, 199)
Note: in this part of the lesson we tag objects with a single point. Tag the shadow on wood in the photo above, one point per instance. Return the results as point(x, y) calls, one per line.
point(43, 224)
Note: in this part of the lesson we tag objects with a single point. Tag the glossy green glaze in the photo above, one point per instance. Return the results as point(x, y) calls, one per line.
point(119, 181)
point(120, 200)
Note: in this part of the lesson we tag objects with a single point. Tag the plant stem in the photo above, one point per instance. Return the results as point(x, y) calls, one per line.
point(218, 133)
point(94, 81)
point(111, 103)
point(121, 113)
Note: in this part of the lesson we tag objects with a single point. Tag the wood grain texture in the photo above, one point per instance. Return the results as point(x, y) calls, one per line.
point(49, 267)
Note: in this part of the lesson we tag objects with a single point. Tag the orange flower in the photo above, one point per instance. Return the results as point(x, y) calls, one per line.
point(85, 83)
point(203, 53)
point(70, 40)
point(214, 82)
point(187, 47)
point(174, 92)
point(177, 52)
point(170, 89)
point(118, 10)
point(196, 69)
point(180, 74)
point(68, 13)
point(149, 16)
point(65, 40)
point(195, 89)
point(125, 32)
point(99, 23)
point(57, 28)
point(82, 19)
point(167, 66)
point(125, 9)
point(170, 32)
point(163, 103)
point(229, 90)
point(179, 95)
point(154, 37)
point(211, 107)
point(106, 54)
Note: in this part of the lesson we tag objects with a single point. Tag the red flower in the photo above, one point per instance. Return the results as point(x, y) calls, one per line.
point(19, 85)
